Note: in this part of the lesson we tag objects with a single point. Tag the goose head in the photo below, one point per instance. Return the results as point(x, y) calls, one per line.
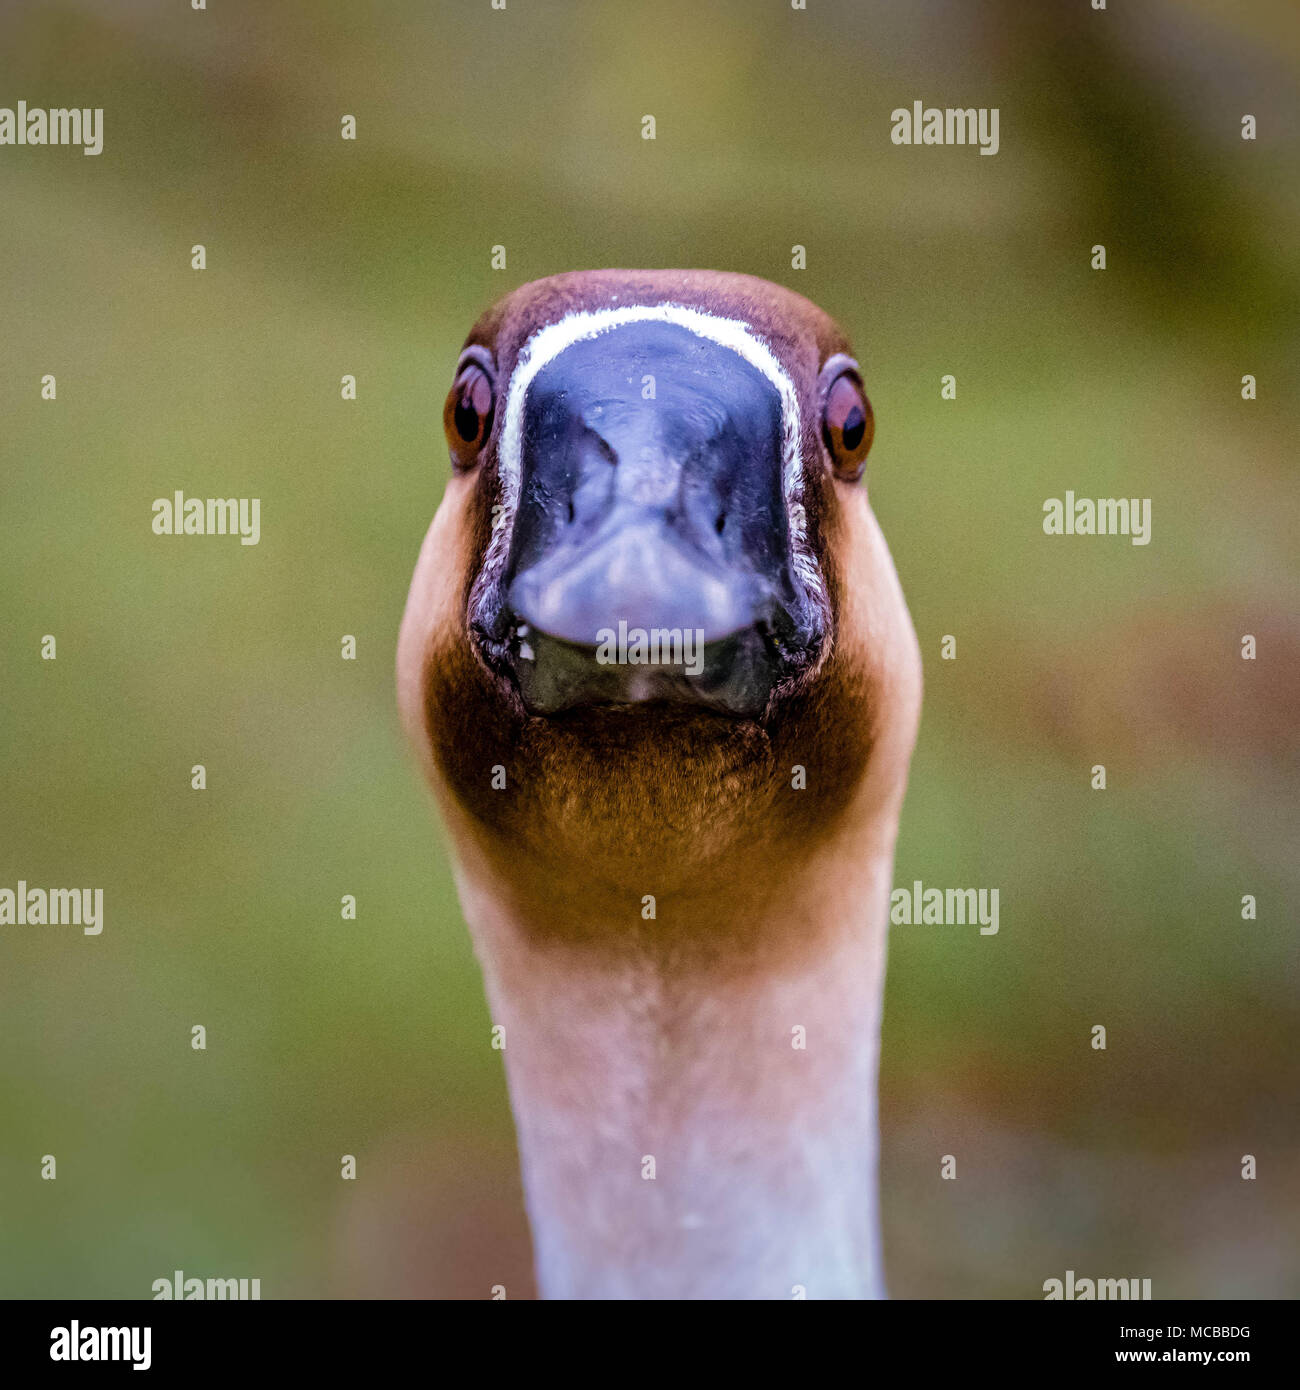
point(654, 622)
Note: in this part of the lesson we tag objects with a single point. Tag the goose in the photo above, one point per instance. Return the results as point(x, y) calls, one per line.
point(657, 667)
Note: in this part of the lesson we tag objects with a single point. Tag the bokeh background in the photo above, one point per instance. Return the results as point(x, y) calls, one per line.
point(325, 257)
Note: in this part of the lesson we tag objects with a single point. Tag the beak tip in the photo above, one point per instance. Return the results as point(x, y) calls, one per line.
point(579, 597)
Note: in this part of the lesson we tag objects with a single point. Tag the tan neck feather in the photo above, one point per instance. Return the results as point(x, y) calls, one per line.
point(674, 1040)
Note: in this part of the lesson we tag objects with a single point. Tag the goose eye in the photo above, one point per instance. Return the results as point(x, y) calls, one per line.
point(848, 426)
point(467, 416)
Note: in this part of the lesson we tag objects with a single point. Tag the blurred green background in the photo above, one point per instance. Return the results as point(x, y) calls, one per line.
point(327, 257)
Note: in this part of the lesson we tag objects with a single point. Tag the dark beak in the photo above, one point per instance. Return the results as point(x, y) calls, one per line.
point(650, 554)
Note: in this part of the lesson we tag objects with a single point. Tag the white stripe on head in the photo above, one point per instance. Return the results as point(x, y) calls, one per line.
point(548, 343)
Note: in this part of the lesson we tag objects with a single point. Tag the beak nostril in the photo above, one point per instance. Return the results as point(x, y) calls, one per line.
point(720, 523)
point(570, 511)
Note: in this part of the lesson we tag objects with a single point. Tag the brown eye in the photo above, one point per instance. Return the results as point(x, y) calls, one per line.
point(847, 422)
point(467, 416)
